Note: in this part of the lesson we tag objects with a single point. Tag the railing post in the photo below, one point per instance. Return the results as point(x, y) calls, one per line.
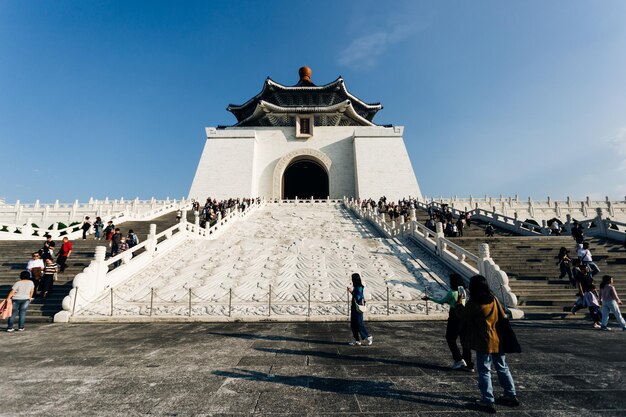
point(269, 312)
point(189, 302)
point(427, 312)
point(151, 300)
point(111, 302)
point(230, 301)
point(309, 302)
point(348, 297)
point(387, 300)
point(75, 298)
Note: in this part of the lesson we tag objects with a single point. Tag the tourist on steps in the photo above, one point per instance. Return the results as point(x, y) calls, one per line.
point(585, 257)
point(21, 295)
point(49, 276)
point(64, 253)
point(455, 328)
point(481, 313)
point(97, 228)
point(361, 336)
point(489, 231)
point(610, 303)
point(565, 265)
point(591, 300)
point(86, 226)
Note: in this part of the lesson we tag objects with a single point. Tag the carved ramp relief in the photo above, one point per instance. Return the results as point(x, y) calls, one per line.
point(299, 154)
point(302, 256)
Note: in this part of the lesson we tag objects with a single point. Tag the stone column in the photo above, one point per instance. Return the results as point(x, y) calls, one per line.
point(483, 256)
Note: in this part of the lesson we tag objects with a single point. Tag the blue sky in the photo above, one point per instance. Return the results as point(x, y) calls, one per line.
point(110, 98)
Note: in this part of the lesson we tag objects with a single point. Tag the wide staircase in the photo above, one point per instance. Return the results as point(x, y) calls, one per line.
point(14, 255)
point(530, 262)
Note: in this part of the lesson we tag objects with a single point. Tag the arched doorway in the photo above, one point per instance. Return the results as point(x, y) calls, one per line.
point(305, 178)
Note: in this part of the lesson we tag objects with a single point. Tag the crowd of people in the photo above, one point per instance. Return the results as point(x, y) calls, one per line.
point(477, 318)
point(214, 209)
point(581, 270)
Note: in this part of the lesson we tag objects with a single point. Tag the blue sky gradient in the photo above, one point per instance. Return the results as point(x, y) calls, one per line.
point(111, 98)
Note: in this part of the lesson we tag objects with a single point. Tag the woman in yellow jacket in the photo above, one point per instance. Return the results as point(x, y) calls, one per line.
point(481, 313)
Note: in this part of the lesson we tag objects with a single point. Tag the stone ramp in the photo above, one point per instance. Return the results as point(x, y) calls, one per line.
point(14, 255)
point(289, 261)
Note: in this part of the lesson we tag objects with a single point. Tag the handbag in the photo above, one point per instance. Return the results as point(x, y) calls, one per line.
point(361, 308)
point(6, 308)
point(508, 339)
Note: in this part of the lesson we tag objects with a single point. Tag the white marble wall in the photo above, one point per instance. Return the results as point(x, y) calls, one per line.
point(241, 162)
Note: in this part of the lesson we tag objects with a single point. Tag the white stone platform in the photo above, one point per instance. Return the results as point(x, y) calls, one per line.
point(302, 254)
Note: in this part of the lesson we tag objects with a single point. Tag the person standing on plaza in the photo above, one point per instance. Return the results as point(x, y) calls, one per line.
point(20, 295)
point(591, 300)
point(455, 327)
point(359, 332)
point(481, 314)
point(610, 303)
point(97, 228)
point(64, 253)
point(49, 276)
point(86, 226)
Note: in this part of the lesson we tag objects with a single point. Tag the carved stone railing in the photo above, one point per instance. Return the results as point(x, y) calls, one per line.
point(598, 226)
point(99, 277)
point(454, 256)
point(537, 210)
point(141, 211)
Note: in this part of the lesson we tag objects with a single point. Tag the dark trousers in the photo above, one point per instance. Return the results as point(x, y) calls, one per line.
point(596, 316)
point(358, 327)
point(455, 330)
point(566, 270)
point(61, 260)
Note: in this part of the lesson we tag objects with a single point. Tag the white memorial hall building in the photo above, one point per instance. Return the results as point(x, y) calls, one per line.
point(304, 141)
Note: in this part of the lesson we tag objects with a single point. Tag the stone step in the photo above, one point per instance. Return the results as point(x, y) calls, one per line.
point(15, 254)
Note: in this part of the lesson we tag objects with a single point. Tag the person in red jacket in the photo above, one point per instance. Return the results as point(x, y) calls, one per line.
point(64, 253)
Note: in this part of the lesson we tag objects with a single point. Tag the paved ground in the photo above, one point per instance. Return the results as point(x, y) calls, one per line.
point(296, 369)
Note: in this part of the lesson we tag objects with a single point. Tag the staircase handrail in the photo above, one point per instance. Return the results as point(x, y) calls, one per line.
point(457, 259)
point(98, 276)
point(501, 220)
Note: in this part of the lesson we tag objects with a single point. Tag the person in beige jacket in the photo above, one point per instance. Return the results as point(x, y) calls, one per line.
point(481, 313)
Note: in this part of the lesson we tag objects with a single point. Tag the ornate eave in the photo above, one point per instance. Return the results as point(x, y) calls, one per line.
point(279, 100)
point(340, 114)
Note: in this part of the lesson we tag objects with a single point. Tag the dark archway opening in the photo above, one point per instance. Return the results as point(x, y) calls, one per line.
point(303, 179)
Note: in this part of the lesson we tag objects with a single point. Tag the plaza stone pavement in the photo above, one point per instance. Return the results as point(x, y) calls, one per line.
point(297, 369)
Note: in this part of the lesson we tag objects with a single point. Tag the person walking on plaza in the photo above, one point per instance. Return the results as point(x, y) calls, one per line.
point(610, 303)
point(591, 300)
point(356, 317)
point(64, 253)
point(86, 226)
point(455, 327)
point(49, 276)
point(20, 295)
point(481, 313)
point(97, 228)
